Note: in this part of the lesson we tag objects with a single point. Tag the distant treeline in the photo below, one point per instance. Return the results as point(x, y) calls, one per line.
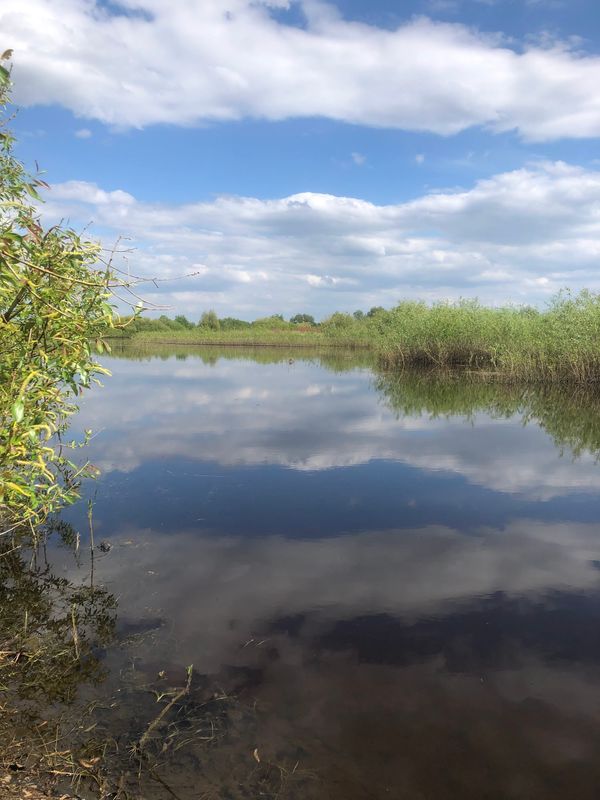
point(209, 321)
point(560, 342)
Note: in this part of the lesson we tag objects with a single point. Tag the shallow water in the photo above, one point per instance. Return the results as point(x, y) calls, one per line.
point(394, 580)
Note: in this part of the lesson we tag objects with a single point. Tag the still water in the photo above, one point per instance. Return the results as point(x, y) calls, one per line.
point(388, 586)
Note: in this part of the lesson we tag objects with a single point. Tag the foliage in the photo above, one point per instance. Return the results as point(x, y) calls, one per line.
point(183, 322)
point(303, 319)
point(54, 304)
point(210, 320)
point(372, 312)
point(233, 324)
point(338, 323)
point(274, 322)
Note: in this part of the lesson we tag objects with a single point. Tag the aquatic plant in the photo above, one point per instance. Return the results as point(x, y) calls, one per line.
point(556, 344)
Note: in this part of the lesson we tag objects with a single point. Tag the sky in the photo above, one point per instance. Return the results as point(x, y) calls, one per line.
point(302, 156)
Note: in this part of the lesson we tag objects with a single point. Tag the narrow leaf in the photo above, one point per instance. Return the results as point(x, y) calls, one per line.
point(18, 410)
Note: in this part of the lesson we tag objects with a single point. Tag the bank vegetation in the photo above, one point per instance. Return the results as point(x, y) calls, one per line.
point(558, 343)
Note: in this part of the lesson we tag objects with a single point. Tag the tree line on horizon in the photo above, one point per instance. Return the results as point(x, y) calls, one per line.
point(210, 321)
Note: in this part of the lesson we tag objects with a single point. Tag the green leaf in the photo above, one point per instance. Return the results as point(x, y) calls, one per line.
point(18, 410)
point(15, 237)
point(30, 189)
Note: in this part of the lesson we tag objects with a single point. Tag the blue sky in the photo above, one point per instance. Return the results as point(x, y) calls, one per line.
point(312, 156)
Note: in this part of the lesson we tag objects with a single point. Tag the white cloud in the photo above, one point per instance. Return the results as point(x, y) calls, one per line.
point(420, 158)
point(162, 63)
point(359, 159)
point(83, 133)
point(517, 236)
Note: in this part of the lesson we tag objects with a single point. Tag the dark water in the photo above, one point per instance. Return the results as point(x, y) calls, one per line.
point(394, 580)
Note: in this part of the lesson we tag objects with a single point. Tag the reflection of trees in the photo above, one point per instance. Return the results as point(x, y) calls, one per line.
point(569, 414)
point(63, 715)
point(338, 359)
point(51, 632)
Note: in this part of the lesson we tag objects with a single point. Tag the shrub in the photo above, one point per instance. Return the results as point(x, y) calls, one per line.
point(55, 297)
point(209, 320)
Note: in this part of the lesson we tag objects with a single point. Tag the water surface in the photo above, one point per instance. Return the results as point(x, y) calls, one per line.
point(393, 579)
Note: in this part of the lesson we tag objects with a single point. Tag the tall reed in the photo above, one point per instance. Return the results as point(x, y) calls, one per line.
point(560, 343)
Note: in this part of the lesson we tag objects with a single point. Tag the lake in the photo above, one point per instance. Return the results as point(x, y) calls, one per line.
point(388, 585)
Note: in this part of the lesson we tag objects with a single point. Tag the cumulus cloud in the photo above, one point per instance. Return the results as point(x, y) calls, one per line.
point(520, 236)
point(147, 61)
point(83, 133)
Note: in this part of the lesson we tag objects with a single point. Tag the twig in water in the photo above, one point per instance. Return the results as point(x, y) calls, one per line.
point(163, 783)
point(156, 722)
point(91, 525)
point(75, 632)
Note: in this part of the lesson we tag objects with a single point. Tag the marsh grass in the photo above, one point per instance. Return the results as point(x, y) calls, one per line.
point(558, 344)
point(257, 337)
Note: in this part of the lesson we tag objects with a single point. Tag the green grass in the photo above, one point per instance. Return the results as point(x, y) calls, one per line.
point(247, 336)
point(561, 343)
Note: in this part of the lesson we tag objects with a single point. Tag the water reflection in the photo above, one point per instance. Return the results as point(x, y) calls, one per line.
point(227, 590)
point(396, 578)
point(303, 450)
point(52, 635)
point(367, 658)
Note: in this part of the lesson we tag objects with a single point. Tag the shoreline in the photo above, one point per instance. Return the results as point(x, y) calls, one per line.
point(390, 363)
point(238, 343)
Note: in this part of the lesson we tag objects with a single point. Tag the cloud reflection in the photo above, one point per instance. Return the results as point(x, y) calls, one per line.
point(306, 418)
point(231, 587)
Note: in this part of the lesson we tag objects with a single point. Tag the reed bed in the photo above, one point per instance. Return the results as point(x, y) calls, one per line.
point(561, 343)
